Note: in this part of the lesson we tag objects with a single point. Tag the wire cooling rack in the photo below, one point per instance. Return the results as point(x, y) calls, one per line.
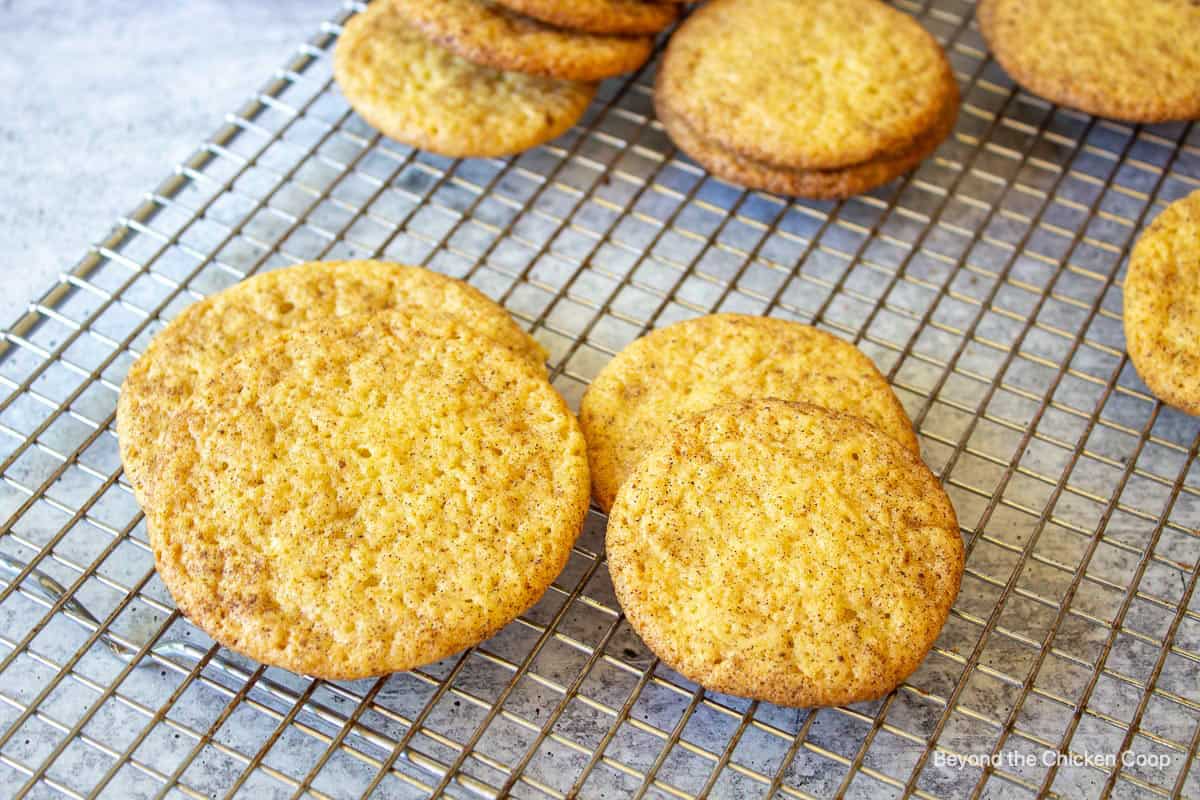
point(986, 285)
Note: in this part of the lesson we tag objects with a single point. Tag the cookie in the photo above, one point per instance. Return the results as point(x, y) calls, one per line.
point(783, 552)
point(421, 94)
point(366, 494)
point(601, 16)
point(805, 84)
point(691, 366)
point(185, 354)
point(1133, 60)
point(486, 33)
point(815, 184)
point(1162, 305)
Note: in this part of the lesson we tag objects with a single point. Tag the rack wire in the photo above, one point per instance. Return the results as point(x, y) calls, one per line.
point(986, 285)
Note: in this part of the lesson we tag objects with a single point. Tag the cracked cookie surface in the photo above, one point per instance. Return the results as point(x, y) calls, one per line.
point(784, 552)
point(184, 355)
point(366, 495)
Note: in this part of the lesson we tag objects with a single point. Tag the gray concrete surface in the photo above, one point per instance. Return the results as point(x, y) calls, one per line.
point(100, 98)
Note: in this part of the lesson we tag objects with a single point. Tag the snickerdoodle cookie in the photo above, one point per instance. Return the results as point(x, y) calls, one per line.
point(784, 552)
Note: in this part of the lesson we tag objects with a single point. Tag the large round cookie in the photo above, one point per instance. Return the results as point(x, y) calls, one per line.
point(1135, 60)
point(366, 495)
point(805, 84)
point(1162, 305)
point(817, 184)
point(421, 94)
point(691, 366)
point(486, 33)
point(188, 351)
point(601, 16)
point(780, 551)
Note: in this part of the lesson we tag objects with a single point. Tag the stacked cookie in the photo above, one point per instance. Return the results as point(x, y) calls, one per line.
point(468, 78)
point(351, 468)
point(814, 98)
point(1131, 60)
point(772, 530)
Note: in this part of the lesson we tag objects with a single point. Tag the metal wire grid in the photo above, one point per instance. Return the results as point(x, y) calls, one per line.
point(987, 287)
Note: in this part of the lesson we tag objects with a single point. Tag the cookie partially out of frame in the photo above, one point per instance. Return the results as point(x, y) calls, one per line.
point(805, 84)
point(601, 16)
point(691, 366)
point(1133, 60)
point(784, 552)
point(425, 96)
point(366, 495)
point(816, 184)
point(185, 354)
point(486, 33)
point(1162, 305)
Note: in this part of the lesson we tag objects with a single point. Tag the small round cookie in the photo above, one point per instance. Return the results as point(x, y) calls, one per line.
point(601, 16)
point(783, 552)
point(486, 33)
point(1162, 305)
point(1133, 60)
point(834, 184)
point(421, 94)
point(805, 84)
point(186, 353)
point(691, 366)
point(315, 511)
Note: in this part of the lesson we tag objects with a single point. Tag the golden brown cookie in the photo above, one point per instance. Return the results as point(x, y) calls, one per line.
point(1134, 60)
point(421, 94)
point(1162, 305)
point(811, 183)
point(783, 552)
point(805, 84)
point(809, 84)
point(601, 16)
point(486, 33)
point(366, 494)
point(685, 368)
point(186, 353)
